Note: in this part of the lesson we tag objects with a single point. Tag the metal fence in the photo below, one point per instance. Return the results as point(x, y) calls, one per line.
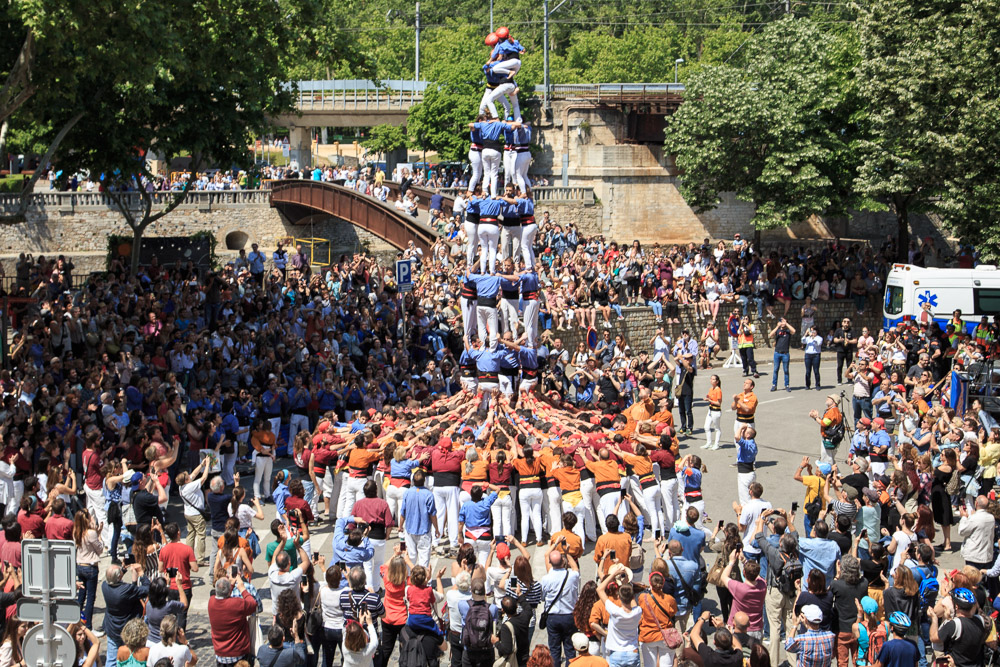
point(205, 199)
point(359, 94)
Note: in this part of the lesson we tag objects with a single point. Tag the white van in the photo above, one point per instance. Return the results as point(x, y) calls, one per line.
point(976, 292)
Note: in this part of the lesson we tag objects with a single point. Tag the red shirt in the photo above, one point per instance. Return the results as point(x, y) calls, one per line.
point(179, 555)
point(59, 528)
point(446, 460)
point(296, 503)
point(10, 553)
point(375, 512)
point(31, 521)
point(230, 629)
point(92, 470)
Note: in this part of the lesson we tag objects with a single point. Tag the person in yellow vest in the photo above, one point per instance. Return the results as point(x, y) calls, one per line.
point(744, 340)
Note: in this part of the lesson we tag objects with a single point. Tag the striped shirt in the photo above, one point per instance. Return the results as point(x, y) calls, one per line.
point(351, 602)
point(533, 595)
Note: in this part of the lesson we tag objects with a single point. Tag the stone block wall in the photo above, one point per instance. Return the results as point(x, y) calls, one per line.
point(639, 325)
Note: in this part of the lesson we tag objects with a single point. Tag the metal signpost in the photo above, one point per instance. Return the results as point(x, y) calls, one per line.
point(49, 573)
point(404, 275)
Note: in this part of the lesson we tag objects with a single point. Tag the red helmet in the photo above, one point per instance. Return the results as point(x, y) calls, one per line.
point(492, 39)
point(502, 32)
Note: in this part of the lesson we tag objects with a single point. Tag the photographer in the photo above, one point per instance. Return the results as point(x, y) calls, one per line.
point(744, 340)
point(782, 335)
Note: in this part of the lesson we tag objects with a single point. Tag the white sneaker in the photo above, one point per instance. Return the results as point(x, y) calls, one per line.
point(714, 447)
point(705, 446)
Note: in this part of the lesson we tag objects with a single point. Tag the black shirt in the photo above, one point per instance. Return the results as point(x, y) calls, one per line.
point(843, 541)
point(858, 480)
point(146, 508)
point(782, 340)
point(844, 334)
point(218, 507)
point(712, 657)
point(844, 597)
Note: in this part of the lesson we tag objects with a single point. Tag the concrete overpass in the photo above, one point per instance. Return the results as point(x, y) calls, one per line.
point(363, 103)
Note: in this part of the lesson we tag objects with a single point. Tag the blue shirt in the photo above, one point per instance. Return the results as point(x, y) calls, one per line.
point(507, 358)
point(402, 469)
point(507, 49)
point(692, 541)
point(818, 554)
point(689, 572)
point(529, 280)
point(525, 207)
point(477, 515)
point(279, 496)
point(492, 131)
point(898, 653)
point(747, 452)
point(344, 552)
point(298, 398)
point(417, 510)
point(879, 439)
point(522, 136)
point(271, 409)
point(475, 136)
point(552, 599)
point(492, 208)
point(527, 357)
point(472, 206)
point(487, 286)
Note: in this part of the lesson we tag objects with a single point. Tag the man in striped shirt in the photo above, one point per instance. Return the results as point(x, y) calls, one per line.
point(814, 647)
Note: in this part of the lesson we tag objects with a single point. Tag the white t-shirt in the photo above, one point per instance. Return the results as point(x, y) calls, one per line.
point(623, 627)
point(902, 544)
point(281, 581)
point(748, 517)
point(192, 493)
point(179, 654)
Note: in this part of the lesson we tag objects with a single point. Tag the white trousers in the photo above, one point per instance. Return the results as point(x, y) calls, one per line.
point(503, 516)
point(262, 470)
point(656, 654)
point(654, 505)
point(476, 160)
point(353, 490)
point(531, 308)
point(743, 482)
point(589, 492)
point(671, 502)
point(506, 385)
point(510, 242)
point(738, 426)
point(275, 426)
point(487, 388)
point(419, 547)
point(472, 232)
point(486, 318)
point(296, 423)
point(373, 566)
point(606, 507)
point(509, 167)
point(528, 233)
point(95, 505)
point(713, 423)
point(469, 384)
point(522, 160)
point(553, 508)
point(468, 315)
point(505, 67)
point(581, 517)
point(491, 168)
point(489, 237)
point(446, 506)
point(508, 98)
point(394, 497)
point(509, 316)
point(530, 501)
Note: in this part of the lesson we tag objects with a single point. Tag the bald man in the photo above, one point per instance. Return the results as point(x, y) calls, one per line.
point(560, 590)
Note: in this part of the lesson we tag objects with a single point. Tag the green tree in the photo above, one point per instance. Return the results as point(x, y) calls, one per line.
point(383, 139)
point(928, 71)
point(777, 131)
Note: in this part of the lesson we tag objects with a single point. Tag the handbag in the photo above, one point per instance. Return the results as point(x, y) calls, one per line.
point(672, 637)
point(715, 574)
point(314, 619)
point(954, 485)
point(509, 660)
point(543, 619)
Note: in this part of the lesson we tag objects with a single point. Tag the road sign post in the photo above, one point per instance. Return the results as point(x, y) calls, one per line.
point(49, 568)
point(404, 275)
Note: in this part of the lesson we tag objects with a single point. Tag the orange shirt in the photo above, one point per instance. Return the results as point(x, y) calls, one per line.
point(715, 398)
point(573, 546)
point(604, 471)
point(548, 460)
point(830, 417)
point(478, 471)
point(359, 460)
point(599, 615)
point(530, 474)
point(620, 543)
point(588, 660)
point(568, 478)
point(746, 405)
point(640, 464)
point(262, 439)
point(655, 608)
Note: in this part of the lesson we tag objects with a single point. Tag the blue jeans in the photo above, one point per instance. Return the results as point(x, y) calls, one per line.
point(623, 659)
point(85, 596)
point(331, 642)
point(112, 654)
point(561, 628)
point(657, 308)
point(618, 309)
point(779, 360)
point(862, 406)
point(812, 368)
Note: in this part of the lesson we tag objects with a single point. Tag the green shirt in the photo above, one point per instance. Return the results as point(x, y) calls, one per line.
point(290, 549)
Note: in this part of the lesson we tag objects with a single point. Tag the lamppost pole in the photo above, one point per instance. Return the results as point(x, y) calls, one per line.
point(676, 63)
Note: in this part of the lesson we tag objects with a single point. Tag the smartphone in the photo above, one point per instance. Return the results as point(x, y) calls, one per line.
point(722, 522)
point(172, 571)
point(232, 570)
point(402, 546)
point(864, 533)
point(795, 506)
point(129, 559)
point(611, 554)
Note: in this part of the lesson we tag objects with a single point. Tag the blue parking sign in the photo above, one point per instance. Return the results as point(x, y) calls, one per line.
point(404, 275)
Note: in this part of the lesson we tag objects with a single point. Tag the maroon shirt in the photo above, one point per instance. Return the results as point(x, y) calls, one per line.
point(59, 528)
point(667, 461)
point(375, 512)
point(31, 521)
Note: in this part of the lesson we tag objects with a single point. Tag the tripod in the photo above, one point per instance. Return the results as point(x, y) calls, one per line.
point(842, 405)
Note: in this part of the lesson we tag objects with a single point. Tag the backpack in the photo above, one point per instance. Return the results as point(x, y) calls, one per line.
point(637, 557)
point(929, 589)
point(411, 649)
point(834, 433)
point(477, 631)
point(791, 571)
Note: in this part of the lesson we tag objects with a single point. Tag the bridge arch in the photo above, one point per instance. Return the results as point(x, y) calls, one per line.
point(299, 199)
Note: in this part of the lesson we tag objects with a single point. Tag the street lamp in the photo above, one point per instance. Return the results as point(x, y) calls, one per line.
point(676, 63)
point(547, 94)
